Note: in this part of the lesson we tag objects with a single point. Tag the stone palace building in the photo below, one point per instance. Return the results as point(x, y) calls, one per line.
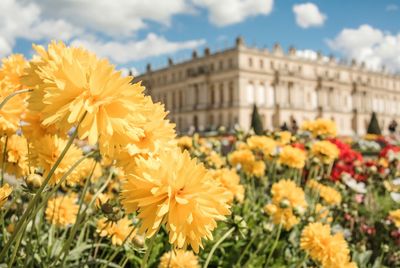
point(220, 89)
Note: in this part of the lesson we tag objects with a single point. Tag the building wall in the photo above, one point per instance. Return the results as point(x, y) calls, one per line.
point(221, 89)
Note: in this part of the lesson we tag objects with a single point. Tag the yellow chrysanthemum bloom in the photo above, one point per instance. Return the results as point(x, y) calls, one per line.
point(395, 216)
point(326, 151)
point(288, 201)
point(46, 151)
point(262, 143)
point(33, 128)
point(62, 210)
point(69, 82)
point(284, 137)
point(10, 114)
point(215, 160)
point(241, 157)
point(16, 156)
point(5, 192)
point(185, 142)
point(292, 157)
point(118, 231)
point(321, 127)
point(174, 189)
point(331, 251)
point(179, 259)
point(229, 179)
point(330, 195)
point(256, 168)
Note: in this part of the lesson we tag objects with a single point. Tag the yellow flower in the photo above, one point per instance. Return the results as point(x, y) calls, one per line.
point(16, 156)
point(284, 137)
point(292, 157)
point(185, 142)
point(33, 128)
point(288, 201)
point(395, 216)
point(328, 194)
point(242, 157)
point(331, 251)
point(46, 152)
point(5, 192)
point(70, 82)
point(10, 114)
point(326, 151)
point(179, 259)
point(321, 127)
point(262, 143)
point(215, 160)
point(11, 71)
point(255, 168)
point(62, 210)
point(174, 189)
point(229, 179)
point(118, 231)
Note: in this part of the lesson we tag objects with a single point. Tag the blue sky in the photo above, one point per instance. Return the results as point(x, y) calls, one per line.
point(133, 32)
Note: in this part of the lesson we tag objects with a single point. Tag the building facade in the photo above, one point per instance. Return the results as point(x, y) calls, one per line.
point(220, 89)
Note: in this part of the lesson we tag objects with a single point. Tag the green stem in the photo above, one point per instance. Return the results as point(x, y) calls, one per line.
point(148, 251)
point(3, 163)
point(246, 249)
point(214, 248)
point(35, 199)
point(78, 222)
point(274, 245)
point(6, 99)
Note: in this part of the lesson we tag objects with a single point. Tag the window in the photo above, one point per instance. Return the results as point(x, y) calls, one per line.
point(261, 64)
point(250, 62)
point(230, 63)
point(221, 93)
point(180, 99)
point(212, 97)
point(221, 65)
point(231, 93)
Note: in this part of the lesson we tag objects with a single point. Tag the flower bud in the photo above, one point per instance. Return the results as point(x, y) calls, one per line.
point(299, 210)
point(284, 203)
point(34, 181)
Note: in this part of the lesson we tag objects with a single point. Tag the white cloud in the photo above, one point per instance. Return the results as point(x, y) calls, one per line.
point(123, 52)
point(226, 12)
point(114, 18)
point(110, 27)
point(309, 54)
point(392, 7)
point(370, 45)
point(308, 15)
point(23, 20)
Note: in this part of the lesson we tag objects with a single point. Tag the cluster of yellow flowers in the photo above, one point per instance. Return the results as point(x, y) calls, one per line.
point(331, 251)
point(72, 92)
point(325, 151)
point(292, 157)
point(247, 161)
point(288, 203)
point(179, 259)
point(320, 127)
point(328, 194)
point(117, 231)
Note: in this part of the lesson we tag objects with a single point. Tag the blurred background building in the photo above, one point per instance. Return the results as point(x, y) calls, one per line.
point(221, 88)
